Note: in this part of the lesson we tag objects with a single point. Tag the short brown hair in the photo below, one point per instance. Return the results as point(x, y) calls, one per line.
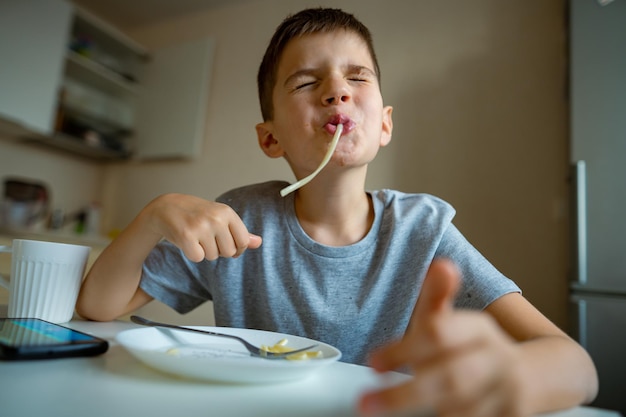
point(306, 22)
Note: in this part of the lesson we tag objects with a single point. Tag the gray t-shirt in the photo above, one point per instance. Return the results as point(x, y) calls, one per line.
point(356, 297)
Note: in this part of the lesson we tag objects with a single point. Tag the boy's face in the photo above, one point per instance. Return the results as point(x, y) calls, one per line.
point(322, 80)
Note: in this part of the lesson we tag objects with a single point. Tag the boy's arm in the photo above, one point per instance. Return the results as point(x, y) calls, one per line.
point(557, 371)
point(467, 363)
point(111, 288)
point(201, 229)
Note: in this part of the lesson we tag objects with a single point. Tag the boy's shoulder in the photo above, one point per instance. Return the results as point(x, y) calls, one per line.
point(394, 197)
point(414, 208)
point(412, 215)
point(264, 190)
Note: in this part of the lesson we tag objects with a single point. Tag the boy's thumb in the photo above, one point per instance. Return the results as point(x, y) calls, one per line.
point(255, 241)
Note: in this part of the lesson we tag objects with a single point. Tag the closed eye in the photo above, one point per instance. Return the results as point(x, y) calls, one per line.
point(360, 74)
point(303, 85)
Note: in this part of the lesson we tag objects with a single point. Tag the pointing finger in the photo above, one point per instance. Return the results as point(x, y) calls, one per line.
point(436, 299)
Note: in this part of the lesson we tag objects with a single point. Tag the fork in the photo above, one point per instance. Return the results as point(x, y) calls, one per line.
point(254, 350)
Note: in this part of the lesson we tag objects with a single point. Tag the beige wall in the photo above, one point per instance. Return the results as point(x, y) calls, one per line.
point(74, 182)
point(478, 89)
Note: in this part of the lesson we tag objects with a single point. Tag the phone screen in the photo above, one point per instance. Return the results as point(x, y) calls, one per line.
point(34, 338)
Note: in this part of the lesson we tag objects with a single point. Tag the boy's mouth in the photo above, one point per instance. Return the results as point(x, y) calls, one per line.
point(331, 125)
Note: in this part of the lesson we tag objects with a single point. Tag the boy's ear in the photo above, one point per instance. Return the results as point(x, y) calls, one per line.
point(387, 129)
point(269, 145)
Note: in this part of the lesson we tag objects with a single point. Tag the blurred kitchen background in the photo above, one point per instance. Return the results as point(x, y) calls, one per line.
point(107, 104)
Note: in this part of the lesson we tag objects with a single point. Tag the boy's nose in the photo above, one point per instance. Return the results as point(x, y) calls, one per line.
point(337, 98)
point(336, 92)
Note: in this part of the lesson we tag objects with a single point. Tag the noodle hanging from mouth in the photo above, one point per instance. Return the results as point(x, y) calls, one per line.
point(331, 149)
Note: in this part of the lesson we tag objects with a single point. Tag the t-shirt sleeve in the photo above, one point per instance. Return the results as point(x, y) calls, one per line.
point(482, 283)
point(168, 276)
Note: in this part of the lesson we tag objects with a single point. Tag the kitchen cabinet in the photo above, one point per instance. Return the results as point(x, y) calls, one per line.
point(74, 82)
point(31, 41)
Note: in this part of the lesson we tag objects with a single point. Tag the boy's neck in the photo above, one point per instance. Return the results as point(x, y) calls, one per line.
point(334, 216)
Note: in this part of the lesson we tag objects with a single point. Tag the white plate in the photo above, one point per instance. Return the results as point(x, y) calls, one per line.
point(220, 359)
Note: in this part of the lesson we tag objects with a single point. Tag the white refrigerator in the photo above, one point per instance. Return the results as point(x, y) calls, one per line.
point(598, 156)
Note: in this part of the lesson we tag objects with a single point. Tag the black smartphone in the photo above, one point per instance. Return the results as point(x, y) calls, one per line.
point(24, 338)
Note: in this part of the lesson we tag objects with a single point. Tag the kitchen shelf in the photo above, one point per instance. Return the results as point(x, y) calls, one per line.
point(95, 115)
point(89, 72)
point(102, 122)
point(107, 35)
point(83, 77)
point(77, 147)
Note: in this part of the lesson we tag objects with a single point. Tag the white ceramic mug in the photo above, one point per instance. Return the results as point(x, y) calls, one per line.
point(45, 279)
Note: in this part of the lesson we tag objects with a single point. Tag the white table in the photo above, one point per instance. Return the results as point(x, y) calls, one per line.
point(117, 385)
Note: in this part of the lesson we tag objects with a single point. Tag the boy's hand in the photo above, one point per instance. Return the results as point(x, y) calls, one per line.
point(202, 229)
point(462, 362)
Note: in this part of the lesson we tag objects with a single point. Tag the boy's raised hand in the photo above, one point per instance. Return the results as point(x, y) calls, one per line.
point(202, 229)
point(462, 362)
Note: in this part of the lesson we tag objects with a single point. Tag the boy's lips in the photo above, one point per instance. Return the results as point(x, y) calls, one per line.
point(331, 125)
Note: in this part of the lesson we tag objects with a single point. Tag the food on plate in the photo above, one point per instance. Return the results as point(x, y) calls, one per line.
point(281, 347)
point(199, 351)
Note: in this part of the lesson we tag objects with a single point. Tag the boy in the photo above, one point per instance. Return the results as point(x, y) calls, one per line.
point(340, 264)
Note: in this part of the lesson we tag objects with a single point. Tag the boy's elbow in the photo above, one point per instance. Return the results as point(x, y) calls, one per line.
point(593, 383)
point(588, 382)
point(87, 314)
point(92, 305)
point(89, 310)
